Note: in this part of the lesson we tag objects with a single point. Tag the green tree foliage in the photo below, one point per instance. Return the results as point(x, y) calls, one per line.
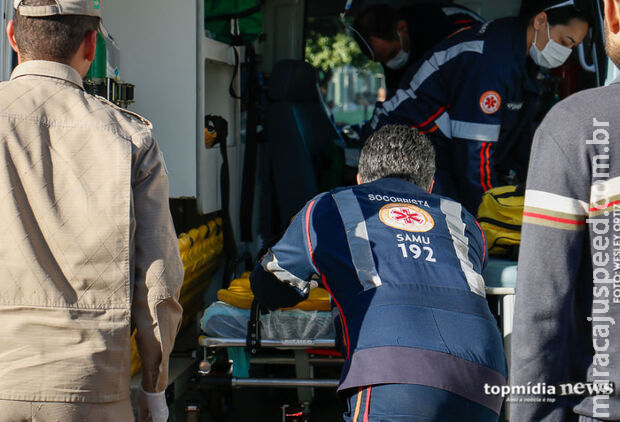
point(327, 52)
point(328, 48)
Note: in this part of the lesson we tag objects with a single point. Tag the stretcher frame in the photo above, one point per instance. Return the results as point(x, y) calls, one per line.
point(304, 380)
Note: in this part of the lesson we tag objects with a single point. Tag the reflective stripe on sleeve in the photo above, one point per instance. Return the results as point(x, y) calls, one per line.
point(432, 65)
point(475, 131)
point(428, 68)
point(452, 210)
point(270, 264)
point(444, 125)
point(357, 238)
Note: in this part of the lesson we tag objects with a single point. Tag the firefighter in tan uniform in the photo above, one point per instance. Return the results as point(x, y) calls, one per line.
point(88, 247)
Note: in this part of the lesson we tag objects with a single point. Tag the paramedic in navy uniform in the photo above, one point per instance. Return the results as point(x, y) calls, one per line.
point(399, 38)
point(403, 268)
point(475, 94)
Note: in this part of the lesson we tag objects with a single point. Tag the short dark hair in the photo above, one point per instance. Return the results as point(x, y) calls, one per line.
point(398, 151)
point(55, 38)
point(557, 16)
point(377, 21)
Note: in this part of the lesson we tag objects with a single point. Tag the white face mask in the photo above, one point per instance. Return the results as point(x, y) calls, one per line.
point(400, 60)
point(553, 55)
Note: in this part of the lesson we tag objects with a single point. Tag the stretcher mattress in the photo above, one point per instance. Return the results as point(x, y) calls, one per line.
point(225, 321)
point(500, 273)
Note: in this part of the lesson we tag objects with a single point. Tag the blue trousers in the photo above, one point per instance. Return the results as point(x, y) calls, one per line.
point(412, 403)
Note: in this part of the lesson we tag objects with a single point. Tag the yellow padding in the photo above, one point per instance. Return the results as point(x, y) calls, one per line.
point(239, 294)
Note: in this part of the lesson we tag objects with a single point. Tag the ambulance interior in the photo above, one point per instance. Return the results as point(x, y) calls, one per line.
point(248, 136)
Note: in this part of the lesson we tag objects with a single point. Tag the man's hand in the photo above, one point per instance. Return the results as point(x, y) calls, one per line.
point(152, 406)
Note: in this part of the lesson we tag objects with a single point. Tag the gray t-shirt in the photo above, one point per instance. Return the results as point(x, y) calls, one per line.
point(567, 303)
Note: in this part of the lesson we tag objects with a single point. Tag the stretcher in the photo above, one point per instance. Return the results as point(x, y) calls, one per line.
point(251, 337)
point(221, 320)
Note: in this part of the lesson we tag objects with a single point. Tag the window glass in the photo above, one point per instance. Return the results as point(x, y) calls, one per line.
point(350, 83)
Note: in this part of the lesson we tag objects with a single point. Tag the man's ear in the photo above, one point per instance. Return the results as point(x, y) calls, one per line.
point(540, 21)
point(359, 179)
point(90, 46)
point(10, 32)
point(612, 20)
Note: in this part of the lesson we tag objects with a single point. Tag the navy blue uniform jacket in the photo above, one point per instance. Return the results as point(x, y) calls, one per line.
point(474, 95)
point(403, 267)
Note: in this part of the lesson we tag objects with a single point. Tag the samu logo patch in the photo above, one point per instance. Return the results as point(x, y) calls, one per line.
point(406, 217)
point(490, 102)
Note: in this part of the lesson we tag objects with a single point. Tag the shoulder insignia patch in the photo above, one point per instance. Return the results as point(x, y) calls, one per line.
point(490, 102)
point(406, 217)
point(123, 110)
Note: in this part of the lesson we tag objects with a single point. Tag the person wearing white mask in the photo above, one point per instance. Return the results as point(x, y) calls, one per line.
point(399, 38)
point(545, 51)
point(475, 94)
point(552, 55)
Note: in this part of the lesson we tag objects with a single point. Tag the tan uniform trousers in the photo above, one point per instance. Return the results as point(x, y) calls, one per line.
point(25, 411)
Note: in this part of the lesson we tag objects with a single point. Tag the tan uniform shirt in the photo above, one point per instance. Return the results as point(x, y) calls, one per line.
point(87, 243)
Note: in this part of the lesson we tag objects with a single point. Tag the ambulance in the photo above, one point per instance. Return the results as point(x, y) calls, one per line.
point(248, 135)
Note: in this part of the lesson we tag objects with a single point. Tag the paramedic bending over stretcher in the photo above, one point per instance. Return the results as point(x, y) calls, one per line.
point(474, 94)
point(403, 267)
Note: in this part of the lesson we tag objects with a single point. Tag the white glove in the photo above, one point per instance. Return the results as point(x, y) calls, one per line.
point(152, 406)
point(314, 281)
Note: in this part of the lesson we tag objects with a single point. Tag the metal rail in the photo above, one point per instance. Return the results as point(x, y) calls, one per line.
point(500, 291)
point(281, 343)
point(283, 383)
point(227, 382)
point(292, 361)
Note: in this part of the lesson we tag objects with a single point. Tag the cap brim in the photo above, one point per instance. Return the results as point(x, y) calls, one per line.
point(103, 30)
point(106, 34)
